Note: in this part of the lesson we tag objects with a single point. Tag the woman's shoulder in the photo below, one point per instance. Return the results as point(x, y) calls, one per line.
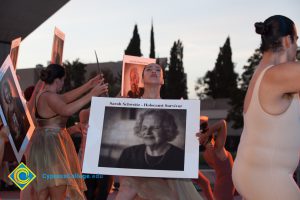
point(284, 67)
point(47, 94)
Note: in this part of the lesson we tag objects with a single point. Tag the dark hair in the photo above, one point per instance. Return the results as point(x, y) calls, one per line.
point(203, 129)
point(52, 72)
point(167, 122)
point(28, 92)
point(272, 30)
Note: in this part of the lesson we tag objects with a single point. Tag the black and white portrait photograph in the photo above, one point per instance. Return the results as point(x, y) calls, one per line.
point(142, 137)
point(14, 112)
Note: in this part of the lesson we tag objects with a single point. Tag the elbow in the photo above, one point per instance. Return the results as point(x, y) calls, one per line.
point(224, 126)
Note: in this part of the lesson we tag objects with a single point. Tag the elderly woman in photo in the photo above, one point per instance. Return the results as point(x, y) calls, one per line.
point(132, 188)
point(156, 128)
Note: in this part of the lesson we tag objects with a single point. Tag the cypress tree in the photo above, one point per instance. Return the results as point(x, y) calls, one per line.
point(152, 45)
point(235, 114)
point(133, 48)
point(176, 79)
point(221, 82)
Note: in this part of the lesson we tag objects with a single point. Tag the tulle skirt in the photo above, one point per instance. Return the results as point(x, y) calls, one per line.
point(160, 189)
point(53, 159)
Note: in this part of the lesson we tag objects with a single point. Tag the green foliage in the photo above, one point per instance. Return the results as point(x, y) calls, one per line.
point(221, 82)
point(75, 72)
point(133, 48)
point(152, 45)
point(114, 82)
point(200, 88)
point(176, 80)
point(235, 114)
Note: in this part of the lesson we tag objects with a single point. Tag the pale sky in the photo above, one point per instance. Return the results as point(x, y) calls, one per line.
point(202, 26)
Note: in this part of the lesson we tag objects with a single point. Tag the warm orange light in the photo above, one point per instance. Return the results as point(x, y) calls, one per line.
point(203, 118)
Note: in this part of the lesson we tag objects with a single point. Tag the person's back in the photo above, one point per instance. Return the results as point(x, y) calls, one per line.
point(268, 152)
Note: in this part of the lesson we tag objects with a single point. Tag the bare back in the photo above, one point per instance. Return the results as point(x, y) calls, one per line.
point(42, 107)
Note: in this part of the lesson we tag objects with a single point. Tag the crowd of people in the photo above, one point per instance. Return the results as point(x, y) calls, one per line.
point(267, 156)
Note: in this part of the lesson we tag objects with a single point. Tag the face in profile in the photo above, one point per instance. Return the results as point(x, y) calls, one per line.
point(153, 74)
point(152, 131)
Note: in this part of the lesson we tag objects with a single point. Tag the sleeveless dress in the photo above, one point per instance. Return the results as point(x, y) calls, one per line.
point(158, 189)
point(53, 158)
point(268, 153)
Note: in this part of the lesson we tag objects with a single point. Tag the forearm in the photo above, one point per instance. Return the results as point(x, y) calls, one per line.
point(216, 128)
point(75, 93)
point(75, 106)
point(221, 134)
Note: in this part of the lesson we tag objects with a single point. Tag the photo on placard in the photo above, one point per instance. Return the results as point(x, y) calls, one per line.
point(142, 130)
point(132, 85)
point(143, 137)
point(57, 47)
point(14, 51)
point(14, 112)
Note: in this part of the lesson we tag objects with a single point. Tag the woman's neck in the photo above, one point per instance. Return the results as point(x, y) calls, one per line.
point(50, 88)
point(151, 92)
point(274, 58)
point(158, 150)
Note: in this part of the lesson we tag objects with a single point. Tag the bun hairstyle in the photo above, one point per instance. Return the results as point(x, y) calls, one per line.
point(260, 28)
point(52, 72)
point(272, 30)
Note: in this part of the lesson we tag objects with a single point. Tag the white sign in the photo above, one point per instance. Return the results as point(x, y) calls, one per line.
point(143, 137)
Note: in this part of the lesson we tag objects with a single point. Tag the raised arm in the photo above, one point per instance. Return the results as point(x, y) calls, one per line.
point(284, 78)
point(59, 106)
point(220, 130)
point(76, 93)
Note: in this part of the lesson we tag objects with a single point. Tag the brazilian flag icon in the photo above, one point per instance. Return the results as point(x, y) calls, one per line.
point(22, 176)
